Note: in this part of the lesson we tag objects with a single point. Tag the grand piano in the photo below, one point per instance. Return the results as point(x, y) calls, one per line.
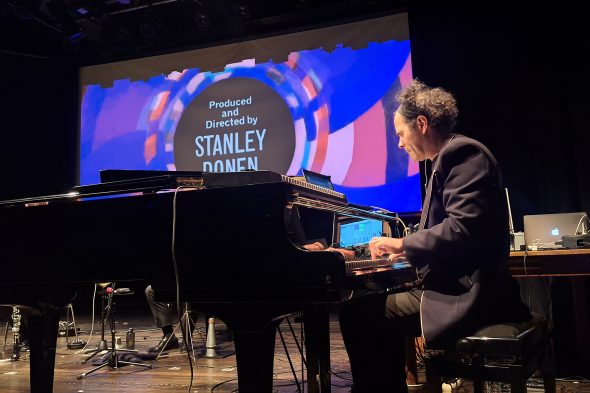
point(230, 244)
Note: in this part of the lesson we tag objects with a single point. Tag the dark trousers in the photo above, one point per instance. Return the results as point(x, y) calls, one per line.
point(164, 314)
point(374, 328)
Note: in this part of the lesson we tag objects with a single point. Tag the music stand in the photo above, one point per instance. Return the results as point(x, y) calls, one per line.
point(113, 361)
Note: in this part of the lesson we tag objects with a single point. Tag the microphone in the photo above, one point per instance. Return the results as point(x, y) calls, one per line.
point(119, 291)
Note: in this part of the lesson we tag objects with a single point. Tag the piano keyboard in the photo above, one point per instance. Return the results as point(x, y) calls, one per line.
point(360, 264)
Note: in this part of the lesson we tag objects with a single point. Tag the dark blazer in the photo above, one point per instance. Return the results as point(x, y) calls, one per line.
point(462, 247)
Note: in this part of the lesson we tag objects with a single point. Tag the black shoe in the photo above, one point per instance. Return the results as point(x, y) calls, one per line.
point(15, 353)
point(167, 343)
point(24, 345)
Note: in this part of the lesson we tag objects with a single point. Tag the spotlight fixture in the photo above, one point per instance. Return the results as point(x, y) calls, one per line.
point(242, 11)
point(202, 19)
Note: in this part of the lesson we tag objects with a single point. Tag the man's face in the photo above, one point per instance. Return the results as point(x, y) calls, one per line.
point(410, 138)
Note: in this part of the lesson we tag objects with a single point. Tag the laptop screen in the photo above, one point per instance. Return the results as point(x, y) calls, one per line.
point(359, 232)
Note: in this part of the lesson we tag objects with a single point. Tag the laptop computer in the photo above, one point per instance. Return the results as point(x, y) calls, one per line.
point(358, 233)
point(542, 231)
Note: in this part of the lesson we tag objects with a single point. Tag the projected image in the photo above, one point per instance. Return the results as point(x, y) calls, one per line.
point(326, 111)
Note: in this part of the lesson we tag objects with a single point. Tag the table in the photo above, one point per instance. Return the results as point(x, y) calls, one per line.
point(550, 263)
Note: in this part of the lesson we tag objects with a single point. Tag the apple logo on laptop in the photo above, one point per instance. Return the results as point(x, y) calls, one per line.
point(555, 232)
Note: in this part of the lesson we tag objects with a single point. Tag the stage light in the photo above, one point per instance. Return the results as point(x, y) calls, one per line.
point(67, 25)
point(242, 10)
point(202, 19)
point(76, 36)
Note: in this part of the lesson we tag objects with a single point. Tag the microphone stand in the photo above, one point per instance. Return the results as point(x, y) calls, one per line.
point(185, 324)
point(113, 361)
point(102, 344)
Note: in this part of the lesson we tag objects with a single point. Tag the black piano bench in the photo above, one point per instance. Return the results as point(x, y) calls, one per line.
point(506, 353)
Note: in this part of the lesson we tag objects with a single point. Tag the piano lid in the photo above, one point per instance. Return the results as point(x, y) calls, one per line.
point(128, 181)
point(113, 175)
point(115, 180)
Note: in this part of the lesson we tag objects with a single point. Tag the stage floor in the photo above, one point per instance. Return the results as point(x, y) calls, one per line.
point(171, 373)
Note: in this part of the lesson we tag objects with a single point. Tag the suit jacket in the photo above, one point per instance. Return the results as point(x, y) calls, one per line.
point(462, 247)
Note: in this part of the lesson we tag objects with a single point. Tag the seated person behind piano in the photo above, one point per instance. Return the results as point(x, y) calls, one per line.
point(460, 251)
point(165, 315)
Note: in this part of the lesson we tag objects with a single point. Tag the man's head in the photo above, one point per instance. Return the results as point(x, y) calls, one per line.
point(424, 119)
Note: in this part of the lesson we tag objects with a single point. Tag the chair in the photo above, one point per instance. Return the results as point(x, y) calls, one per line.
point(508, 353)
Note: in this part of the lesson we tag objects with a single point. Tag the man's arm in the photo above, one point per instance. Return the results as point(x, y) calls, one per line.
point(466, 180)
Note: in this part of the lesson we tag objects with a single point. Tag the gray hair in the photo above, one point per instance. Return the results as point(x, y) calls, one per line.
point(436, 104)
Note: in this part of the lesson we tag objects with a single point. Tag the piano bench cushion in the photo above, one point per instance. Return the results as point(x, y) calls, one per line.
point(504, 342)
point(502, 352)
point(507, 343)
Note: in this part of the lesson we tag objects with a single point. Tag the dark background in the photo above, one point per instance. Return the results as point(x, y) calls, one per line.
point(519, 74)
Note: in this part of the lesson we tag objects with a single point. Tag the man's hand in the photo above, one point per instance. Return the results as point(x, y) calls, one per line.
point(392, 246)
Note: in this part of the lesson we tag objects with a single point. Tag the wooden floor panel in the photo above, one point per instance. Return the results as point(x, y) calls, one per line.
point(171, 373)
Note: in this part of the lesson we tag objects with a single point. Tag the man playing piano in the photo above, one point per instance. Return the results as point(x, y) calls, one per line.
point(460, 251)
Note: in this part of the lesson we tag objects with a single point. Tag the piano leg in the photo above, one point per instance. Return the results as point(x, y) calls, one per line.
point(43, 326)
point(255, 356)
point(317, 347)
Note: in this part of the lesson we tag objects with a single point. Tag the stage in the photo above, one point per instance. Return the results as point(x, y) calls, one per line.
point(171, 373)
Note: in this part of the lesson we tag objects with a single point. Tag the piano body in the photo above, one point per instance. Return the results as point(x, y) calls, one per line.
point(225, 242)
